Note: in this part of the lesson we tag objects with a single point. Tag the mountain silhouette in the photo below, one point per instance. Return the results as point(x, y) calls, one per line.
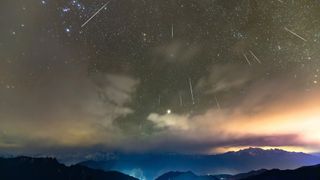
point(153, 165)
point(50, 169)
point(184, 176)
point(303, 173)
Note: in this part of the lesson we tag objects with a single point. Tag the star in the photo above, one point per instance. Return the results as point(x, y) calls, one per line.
point(66, 9)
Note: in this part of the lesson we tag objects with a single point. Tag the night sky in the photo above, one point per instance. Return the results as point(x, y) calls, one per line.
point(186, 76)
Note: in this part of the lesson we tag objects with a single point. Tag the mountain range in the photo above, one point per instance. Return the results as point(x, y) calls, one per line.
point(169, 167)
point(26, 168)
point(303, 173)
point(150, 166)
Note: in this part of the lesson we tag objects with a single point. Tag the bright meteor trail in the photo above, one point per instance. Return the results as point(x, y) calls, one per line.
point(105, 5)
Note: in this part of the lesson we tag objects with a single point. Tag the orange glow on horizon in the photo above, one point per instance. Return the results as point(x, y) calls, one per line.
point(301, 118)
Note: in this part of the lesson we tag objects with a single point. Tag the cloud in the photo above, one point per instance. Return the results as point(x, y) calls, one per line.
point(219, 141)
point(225, 78)
point(115, 88)
point(210, 132)
point(171, 121)
point(55, 103)
point(262, 117)
point(75, 116)
point(70, 90)
point(113, 94)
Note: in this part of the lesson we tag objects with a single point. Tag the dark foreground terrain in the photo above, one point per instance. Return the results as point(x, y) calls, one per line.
point(303, 173)
point(26, 168)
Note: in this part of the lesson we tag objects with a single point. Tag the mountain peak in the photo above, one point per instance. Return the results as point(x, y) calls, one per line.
point(257, 151)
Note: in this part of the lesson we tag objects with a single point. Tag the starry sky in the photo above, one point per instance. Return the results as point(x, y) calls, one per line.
point(186, 76)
